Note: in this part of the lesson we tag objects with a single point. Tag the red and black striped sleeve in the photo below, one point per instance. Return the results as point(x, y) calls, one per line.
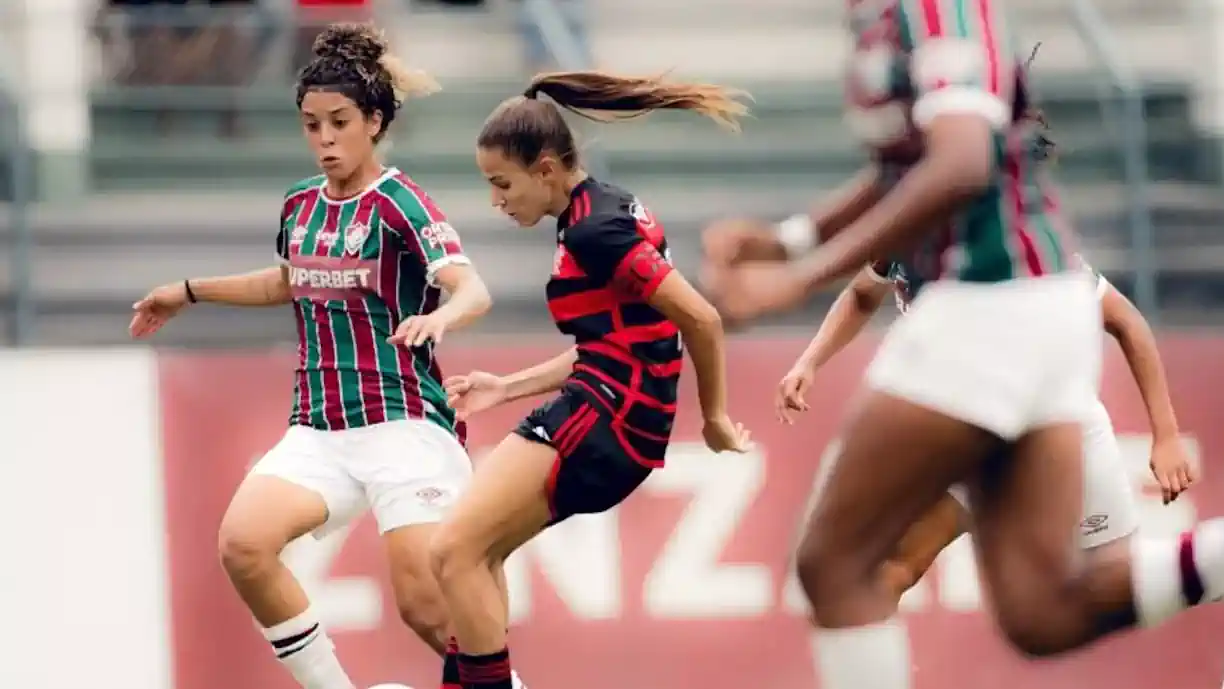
point(610, 250)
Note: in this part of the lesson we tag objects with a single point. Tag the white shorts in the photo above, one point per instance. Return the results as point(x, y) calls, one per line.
point(1006, 357)
point(406, 471)
point(1110, 511)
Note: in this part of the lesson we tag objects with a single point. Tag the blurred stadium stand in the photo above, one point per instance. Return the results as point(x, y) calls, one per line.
point(192, 201)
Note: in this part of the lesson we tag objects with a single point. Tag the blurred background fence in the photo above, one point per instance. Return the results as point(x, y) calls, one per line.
point(144, 140)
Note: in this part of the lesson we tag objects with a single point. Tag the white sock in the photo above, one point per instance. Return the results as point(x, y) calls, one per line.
point(1170, 575)
point(308, 653)
point(517, 681)
point(875, 656)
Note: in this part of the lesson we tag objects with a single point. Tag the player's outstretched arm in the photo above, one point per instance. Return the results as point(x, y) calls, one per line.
point(1134, 335)
point(1170, 463)
point(260, 288)
point(851, 311)
point(726, 243)
point(541, 378)
point(266, 287)
point(469, 297)
point(478, 391)
point(701, 331)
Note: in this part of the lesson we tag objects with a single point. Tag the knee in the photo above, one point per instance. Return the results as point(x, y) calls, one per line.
point(450, 555)
point(421, 606)
point(822, 574)
point(246, 553)
point(1040, 625)
point(1030, 635)
point(899, 577)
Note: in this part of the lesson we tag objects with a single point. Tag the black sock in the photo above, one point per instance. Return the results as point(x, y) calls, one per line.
point(490, 671)
point(450, 666)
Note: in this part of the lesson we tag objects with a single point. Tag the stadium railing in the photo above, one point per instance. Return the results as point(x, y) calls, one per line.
point(15, 201)
point(1122, 107)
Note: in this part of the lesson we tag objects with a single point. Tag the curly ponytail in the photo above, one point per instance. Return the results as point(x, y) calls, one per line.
point(355, 60)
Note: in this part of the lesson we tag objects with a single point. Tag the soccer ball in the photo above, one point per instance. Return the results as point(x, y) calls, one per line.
point(391, 685)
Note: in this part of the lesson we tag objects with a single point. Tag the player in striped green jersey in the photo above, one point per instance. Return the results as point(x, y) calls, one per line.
point(363, 257)
point(993, 373)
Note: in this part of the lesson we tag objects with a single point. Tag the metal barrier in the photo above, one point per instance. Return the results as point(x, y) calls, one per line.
point(567, 52)
point(13, 141)
point(1128, 107)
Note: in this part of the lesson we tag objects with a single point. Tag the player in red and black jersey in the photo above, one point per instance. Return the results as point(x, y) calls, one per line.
point(611, 258)
point(614, 291)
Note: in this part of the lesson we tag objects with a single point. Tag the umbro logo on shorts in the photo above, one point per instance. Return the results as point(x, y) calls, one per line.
point(430, 495)
point(1094, 523)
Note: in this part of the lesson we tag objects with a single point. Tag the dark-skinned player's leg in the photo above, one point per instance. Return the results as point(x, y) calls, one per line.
point(896, 463)
point(922, 544)
point(1027, 507)
point(889, 642)
point(1045, 599)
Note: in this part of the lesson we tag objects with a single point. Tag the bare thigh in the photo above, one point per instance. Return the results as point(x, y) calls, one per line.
point(896, 463)
point(265, 514)
point(923, 542)
point(505, 505)
point(1026, 512)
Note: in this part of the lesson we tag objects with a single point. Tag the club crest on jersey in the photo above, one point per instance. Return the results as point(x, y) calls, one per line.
point(355, 237)
point(644, 218)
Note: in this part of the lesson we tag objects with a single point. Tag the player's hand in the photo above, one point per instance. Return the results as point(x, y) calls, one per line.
point(415, 331)
point(722, 246)
point(1171, 467)
point(754, 289)
point(156, 308)
point(721, 434)
point(792, 392)
point(724, 240)
point(474, 393)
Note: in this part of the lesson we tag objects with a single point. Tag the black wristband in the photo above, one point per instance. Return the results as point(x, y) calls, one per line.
point(191, 297)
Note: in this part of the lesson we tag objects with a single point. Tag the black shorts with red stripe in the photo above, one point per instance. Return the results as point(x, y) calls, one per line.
point(601, 459)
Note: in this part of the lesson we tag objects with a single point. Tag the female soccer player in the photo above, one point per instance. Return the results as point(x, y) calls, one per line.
point(1109, 510)
point(614, 291)
point(993, 372)
point(363, 256)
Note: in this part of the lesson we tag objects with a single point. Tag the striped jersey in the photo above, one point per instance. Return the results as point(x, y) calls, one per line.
point(905, 288)
point(357, 268)
point(914, 60)
point(611, 257)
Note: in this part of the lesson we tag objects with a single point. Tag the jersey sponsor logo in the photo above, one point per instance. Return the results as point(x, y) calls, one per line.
point(335, 278)
point(298, 235)
point(439, 235)
point(324, 278)
point(355, 237)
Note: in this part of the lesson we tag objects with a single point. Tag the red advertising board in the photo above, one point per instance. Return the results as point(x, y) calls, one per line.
point(687, 584)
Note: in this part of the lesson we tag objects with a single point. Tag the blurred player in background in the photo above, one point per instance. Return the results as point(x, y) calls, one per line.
point(614, 291)
point(1110, 513)
point(363, 256)
point(993, 373)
